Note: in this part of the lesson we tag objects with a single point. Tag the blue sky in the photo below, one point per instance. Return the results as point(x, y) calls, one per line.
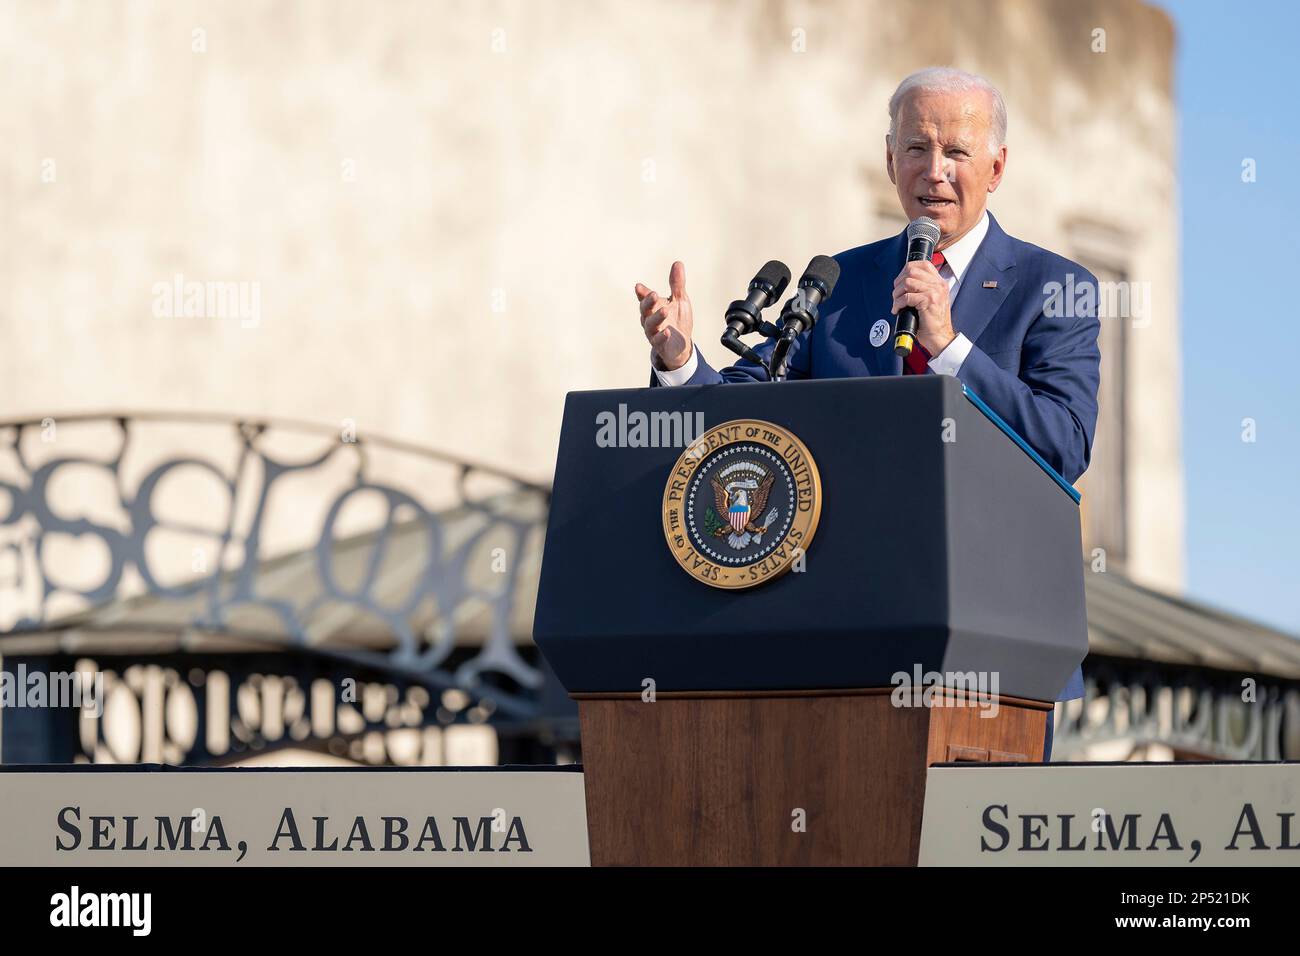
point(1240, 303)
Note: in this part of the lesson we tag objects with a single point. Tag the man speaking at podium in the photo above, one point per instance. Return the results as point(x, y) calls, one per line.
point(984, 313)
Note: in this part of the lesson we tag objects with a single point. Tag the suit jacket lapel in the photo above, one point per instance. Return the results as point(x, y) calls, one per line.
point(877, 298)
point(994, 262)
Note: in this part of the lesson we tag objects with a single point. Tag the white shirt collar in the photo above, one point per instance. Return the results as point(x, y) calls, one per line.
point(958, 256)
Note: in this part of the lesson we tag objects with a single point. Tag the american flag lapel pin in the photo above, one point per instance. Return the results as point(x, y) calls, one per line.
point(990, 283)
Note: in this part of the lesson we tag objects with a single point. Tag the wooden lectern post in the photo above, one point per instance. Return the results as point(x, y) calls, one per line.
point(752, 778)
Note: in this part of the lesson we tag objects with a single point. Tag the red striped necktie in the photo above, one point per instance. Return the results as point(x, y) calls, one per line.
point(918, 360)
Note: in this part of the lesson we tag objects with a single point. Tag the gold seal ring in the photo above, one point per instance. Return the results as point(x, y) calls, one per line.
point(742, 504)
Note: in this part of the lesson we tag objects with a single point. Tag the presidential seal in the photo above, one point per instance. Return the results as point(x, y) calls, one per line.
point(741, 504)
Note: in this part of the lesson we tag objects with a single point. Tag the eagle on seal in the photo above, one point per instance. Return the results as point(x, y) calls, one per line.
point(740, 501)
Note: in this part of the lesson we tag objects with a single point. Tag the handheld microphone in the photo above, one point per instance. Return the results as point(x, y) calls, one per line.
point(746, 315)
point(799, 313)
point(922, 237)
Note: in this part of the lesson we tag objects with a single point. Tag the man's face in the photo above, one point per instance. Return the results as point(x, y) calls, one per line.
point(940, 160)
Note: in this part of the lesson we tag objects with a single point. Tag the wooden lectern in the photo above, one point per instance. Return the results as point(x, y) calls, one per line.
point(787, 723)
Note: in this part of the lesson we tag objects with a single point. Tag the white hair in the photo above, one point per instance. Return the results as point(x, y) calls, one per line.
point(947, 79)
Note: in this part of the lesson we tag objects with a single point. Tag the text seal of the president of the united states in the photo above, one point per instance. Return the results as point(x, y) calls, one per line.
point(742, 504)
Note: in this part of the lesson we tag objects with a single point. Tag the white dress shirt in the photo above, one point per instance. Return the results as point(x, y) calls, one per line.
point(957, 259)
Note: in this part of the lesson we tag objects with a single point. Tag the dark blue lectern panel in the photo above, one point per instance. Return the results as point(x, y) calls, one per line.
point(941, 544)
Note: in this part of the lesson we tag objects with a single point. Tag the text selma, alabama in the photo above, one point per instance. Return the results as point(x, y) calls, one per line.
point(382, 834)
point(1129, 832)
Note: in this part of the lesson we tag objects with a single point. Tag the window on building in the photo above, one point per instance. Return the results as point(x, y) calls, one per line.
point(1104, 486)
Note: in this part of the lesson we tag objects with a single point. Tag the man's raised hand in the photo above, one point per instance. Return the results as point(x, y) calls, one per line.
point(668, 323)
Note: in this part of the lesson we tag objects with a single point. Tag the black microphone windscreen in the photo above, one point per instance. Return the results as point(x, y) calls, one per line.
point(823, 271)
point(775, 274)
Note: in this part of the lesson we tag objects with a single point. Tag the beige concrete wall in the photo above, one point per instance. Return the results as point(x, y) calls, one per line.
point(445, 204)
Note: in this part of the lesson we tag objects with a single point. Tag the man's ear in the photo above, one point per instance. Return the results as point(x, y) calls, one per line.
point(999, 167)
point(889, 160)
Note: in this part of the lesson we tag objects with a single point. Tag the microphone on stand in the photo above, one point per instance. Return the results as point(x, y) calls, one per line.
point(746, 315)
point(800, 312)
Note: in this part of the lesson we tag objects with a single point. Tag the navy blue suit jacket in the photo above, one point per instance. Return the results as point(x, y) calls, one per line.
point(1039, 372)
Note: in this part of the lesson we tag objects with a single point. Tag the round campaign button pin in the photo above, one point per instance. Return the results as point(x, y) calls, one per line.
point(879, 332)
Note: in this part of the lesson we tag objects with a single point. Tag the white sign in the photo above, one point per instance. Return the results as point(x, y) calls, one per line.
point(1221, 814)
point(328, 817)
